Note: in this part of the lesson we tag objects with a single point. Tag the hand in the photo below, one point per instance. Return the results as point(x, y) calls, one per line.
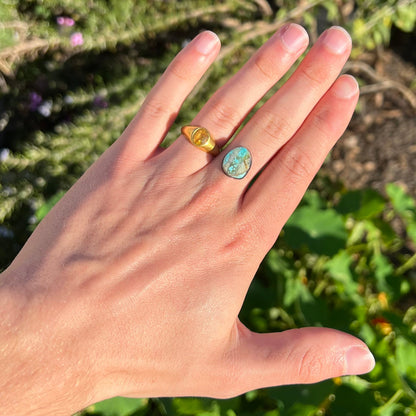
point(133, 283)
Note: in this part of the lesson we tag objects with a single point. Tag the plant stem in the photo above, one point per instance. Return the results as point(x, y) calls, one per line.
point(406, 266)
point(393, 399)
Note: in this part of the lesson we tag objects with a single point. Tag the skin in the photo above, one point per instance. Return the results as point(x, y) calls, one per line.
point(133, 283)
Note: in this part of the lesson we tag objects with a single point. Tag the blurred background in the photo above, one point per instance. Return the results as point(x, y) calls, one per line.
point(74, 72)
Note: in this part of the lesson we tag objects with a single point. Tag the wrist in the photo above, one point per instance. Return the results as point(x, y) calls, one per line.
point(36, 374)
point(14, 373)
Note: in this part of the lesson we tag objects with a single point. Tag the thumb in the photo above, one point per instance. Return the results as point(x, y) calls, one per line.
point(297, 356)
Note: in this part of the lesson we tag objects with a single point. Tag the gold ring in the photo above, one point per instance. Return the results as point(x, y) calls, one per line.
point(201, 138)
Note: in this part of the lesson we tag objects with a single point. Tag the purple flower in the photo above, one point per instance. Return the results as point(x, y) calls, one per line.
point(65, 21)
point(34, 101)
point(69, 21)
point(76, 39)
point(99, 102)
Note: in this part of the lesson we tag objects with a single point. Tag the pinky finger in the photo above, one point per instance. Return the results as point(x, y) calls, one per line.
point(280, 187)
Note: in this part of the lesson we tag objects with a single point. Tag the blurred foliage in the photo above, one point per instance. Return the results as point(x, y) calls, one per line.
point(72, 75)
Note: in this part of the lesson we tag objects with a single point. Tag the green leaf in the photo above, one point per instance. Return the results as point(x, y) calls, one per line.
point(190, 406)
point(48, 205)
point(367, 334)
point(359, 27)
point(403, 203)
point(302, 409)
point(387, 233)
point(356, 383)
point(357, 403)
point(312, 198)
point(317, 312)
point(382, 270)
point(405, 206)
point(118, 406)
point(357, 233)
point(406, 17)
point(258, 296)
point(270, 413)
point(320, 231)
point(406, 357)
point(411, 231)
point(291, 397)
point(340, 270)
point(363, 204)
point(332, 10)
point(296, 290)
point(277, 264)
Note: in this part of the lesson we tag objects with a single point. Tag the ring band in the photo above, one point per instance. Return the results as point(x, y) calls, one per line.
point(201, 138)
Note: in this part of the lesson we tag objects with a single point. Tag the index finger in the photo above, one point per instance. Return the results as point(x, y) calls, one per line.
point(157, 113)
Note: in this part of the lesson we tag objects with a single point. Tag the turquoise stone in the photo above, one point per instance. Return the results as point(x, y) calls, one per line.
point(237, 162)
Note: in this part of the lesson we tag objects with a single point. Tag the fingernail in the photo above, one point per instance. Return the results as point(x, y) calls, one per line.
point(346, 87)
point(336, 39)
point(358, 360)
point(294, 37)
point(205, 42)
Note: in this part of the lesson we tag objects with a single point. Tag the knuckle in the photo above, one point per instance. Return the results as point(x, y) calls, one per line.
point(265, 66)
point(208, 196)
point(298, 165)
point(315, 75)
point(155, 109)
point(223, 115)
point(323, 122)
point(312, 366)
point(316, 365)
point(243, 238)
point(179, 69)
point(275, 127)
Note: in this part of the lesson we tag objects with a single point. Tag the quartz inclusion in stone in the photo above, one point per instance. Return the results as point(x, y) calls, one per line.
point(237, 162)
